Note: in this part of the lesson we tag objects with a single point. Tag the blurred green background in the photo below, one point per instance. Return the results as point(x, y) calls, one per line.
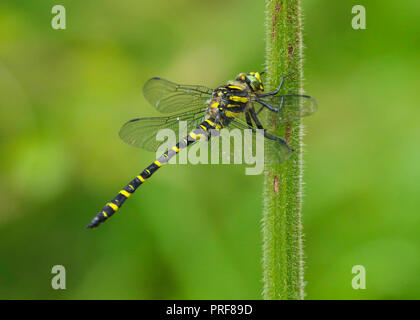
point(65, 93)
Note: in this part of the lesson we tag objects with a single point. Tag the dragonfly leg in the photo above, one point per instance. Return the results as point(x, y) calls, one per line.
point(280, 139)
point(248, 120)
point(278, 89)
point(270, 107)
point(262, 107)
point(266, 134)
point(256, 120)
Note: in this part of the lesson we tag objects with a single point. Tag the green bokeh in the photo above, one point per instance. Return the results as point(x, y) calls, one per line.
point(195, 231)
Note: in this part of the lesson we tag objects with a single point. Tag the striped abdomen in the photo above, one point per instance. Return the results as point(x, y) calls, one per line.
point(116, 203)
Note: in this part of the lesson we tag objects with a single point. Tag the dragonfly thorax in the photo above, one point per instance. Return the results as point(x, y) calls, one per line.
point(229, 101)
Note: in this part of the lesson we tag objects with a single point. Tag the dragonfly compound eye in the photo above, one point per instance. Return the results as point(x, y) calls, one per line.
point(254, 81)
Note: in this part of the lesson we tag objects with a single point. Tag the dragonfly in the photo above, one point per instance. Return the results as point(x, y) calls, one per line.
point(237, 104)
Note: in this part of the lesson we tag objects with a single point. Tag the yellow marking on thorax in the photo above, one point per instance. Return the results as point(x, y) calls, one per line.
point(204, 128)
point(125, 193)
point(239, 99)
point(104, 214)
point(214, 105)
point(235, 87)
point(231, 114)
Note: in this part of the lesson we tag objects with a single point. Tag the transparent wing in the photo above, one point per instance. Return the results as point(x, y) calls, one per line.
point(142, 132)
point(168, 97)
point(294, 106)
point(276, 147)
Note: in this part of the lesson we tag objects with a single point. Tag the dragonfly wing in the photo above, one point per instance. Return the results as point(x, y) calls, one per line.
point(168, 97)
point(142, 132)
point(293, 106)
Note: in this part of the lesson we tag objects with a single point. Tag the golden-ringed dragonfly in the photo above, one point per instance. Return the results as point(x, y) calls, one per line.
point(205, 110)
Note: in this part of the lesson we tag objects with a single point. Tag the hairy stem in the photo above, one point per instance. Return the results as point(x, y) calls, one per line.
point(282, 225)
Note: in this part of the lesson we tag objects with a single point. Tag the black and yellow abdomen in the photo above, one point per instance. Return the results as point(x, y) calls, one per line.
point(203, 130)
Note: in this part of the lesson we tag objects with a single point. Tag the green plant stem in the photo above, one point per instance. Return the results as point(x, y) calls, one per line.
point(282, 225)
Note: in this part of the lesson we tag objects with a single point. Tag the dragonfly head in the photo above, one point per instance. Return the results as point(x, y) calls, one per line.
point(253, 79)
